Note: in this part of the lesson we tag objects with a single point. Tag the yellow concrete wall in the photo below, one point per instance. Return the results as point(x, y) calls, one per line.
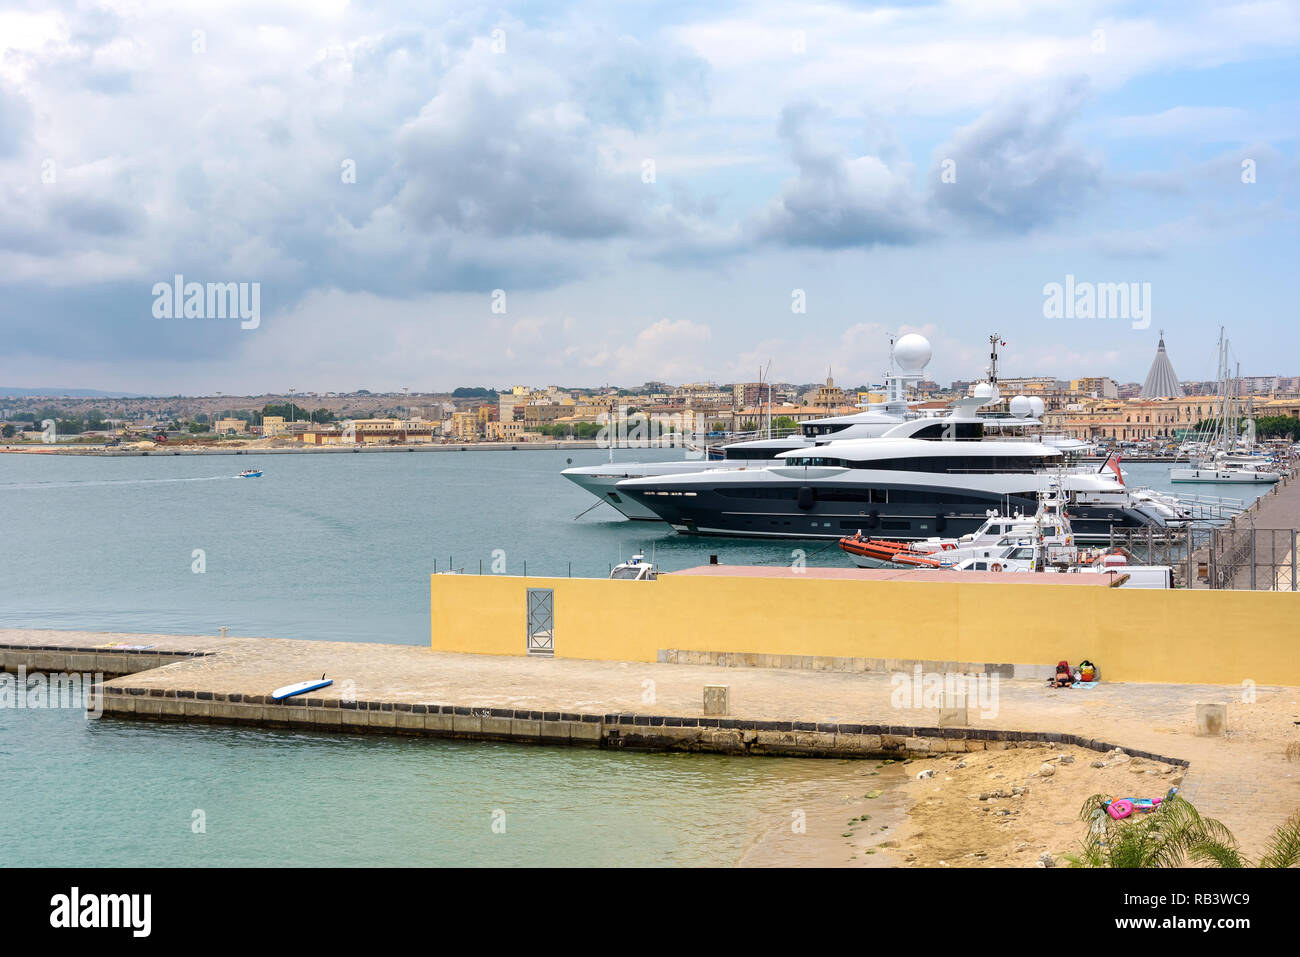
point(1198, 636)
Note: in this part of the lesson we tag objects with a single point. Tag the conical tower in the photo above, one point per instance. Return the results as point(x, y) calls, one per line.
point(1161, 382)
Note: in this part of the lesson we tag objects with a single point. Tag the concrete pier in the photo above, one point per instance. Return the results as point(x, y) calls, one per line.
point(1241, 777)
point(402, 689)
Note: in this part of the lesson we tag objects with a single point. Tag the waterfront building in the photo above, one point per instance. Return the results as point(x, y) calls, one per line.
point(323, 435)
point(506, 432)
point(463, 426)
point(382, 431)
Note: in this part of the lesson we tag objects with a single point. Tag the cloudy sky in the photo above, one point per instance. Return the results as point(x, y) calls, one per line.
point(433, 195)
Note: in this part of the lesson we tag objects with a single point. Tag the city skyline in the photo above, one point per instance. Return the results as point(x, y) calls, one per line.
point(590, 196)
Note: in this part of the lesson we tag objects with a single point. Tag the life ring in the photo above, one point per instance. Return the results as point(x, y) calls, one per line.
point(995, 567)
point(1120, 809)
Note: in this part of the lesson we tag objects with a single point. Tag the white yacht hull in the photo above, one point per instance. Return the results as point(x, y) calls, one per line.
point(1223, 476)
point(602, 486)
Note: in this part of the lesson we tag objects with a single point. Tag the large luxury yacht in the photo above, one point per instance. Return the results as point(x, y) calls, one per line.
point(908, 357)
point(903, 486)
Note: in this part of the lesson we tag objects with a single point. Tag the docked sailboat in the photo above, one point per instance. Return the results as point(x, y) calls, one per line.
point(1225, 455)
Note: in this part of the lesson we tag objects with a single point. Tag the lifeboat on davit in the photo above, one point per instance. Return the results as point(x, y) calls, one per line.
point(883, 550)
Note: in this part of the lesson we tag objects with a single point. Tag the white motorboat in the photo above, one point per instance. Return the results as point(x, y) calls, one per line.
point(637, 569)
point(1046, 544)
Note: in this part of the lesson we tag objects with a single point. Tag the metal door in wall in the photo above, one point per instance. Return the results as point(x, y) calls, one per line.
point(541, 622)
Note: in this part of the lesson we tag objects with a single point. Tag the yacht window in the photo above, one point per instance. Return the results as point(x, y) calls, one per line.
point(815, 460)
point(951, 430)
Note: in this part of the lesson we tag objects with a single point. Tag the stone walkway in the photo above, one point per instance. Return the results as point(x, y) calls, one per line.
point(1244, 778)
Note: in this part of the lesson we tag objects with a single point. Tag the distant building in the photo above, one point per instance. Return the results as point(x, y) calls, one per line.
point(1161, 382)
point(225, 426)
point(1030, 385)
point(505, 432)
point(536, 414)
point(463, 426)
point(383, 431)
point(829, 396)
point(745, 394)
point(1099, 387)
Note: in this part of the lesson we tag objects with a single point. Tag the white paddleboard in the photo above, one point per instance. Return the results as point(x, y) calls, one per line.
point(288, 691)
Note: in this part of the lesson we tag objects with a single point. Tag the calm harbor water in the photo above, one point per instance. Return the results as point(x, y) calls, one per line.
point(120, 793)
point(340, 547)
point(323, 546)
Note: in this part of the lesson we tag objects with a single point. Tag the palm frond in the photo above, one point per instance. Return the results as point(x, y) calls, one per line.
point(1283, 845)
point(1211, 852)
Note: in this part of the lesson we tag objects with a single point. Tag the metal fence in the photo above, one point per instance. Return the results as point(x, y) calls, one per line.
point(1262, 559)
point(1259, 559)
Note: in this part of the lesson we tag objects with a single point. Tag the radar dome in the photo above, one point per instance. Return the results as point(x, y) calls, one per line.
point(1036, 406)
point(1020, 406)
point(912, 352)
point(982, 390)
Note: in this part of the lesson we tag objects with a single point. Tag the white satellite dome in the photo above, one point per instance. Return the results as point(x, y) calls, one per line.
point(912, 352)
point(982, 390)
point(1021, 406)
point(1036, 406)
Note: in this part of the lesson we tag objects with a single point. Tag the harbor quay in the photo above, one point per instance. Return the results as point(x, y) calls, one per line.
point(1243, 774)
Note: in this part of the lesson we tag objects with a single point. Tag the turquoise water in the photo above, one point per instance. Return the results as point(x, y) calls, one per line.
point(121, 793)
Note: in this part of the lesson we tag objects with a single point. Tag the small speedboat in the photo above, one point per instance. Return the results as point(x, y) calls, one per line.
point(250, 473)
point(638, 569)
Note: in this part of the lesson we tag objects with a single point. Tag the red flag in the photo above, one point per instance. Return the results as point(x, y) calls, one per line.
point(1112, 463)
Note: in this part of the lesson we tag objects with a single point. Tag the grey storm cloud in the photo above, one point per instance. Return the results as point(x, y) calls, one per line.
point(837, 201)
point(94, 215)
point(473, 171)
point(502, 155)
point(1016, 168)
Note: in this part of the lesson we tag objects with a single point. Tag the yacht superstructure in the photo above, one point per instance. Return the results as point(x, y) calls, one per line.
point(908, 357)
point(899, 487)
